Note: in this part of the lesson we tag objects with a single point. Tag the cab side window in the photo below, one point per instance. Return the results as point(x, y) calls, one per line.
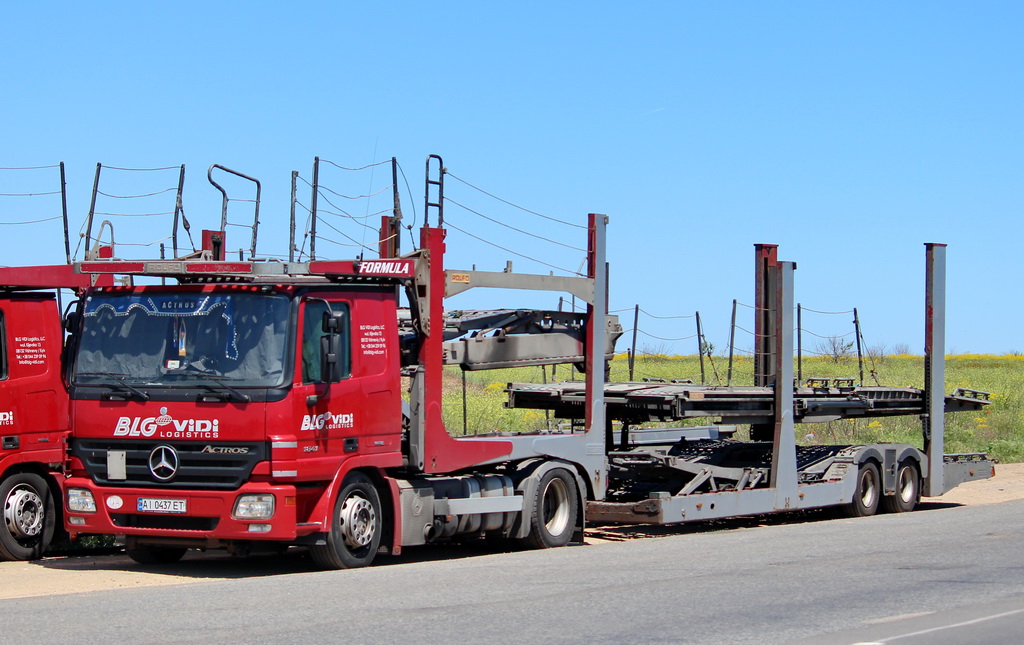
point(315, 340)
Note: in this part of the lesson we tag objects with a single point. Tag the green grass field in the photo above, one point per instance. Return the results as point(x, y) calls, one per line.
point(998, 430)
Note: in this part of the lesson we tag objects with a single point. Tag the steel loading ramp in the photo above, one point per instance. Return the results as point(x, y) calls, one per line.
point(815, 403)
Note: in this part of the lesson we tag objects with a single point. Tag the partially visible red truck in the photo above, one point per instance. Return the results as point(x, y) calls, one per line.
point(33, 422)
point(33, 407)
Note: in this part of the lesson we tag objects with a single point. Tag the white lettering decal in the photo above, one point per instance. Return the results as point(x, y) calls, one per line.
point(385, 267)
point(30, 350)
point(165, 427)
point(328, 421)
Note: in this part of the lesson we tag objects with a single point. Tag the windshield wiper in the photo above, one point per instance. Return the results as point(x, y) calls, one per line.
point(120, 378)
point(232, 392)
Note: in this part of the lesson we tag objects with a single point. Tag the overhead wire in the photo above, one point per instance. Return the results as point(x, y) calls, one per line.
point(827, 313)
point(518, 230)
point(132, 214)
point(142, 169)
point(640, 331)
point(806, 331)
point(159, 192)
point(53, 192)
point(35, 221)
point(412, 201)
point(667, 317)
point(498, 246)
point(504, 201)
point(369, 165)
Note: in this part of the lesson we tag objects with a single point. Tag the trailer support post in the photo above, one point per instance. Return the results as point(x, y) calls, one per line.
point(765, 302)
point(766, 331)
point(783, 474)
point(933, 421)
point(597, 316)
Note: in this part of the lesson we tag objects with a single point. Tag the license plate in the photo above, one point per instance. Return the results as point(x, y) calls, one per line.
point(162, 505)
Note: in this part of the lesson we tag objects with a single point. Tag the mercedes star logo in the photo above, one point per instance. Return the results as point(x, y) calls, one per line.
point(163, 463)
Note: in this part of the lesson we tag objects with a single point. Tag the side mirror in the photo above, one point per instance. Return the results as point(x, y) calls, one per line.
point(330, 346)
point(72, 318)
point(332, 323)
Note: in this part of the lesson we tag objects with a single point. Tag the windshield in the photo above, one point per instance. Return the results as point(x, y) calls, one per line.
point(171, 338)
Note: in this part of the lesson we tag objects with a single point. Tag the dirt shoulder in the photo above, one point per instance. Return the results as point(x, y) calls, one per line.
point(1006, 485)
point(69, 575)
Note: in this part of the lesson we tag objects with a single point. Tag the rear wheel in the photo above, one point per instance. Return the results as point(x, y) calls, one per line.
point(356, 527)
point(869, 490)
point(908, 489)
point(156, 554)
point(553, 513)
point(28, 517)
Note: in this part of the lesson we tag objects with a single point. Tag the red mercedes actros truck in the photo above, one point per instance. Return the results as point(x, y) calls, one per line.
point(265, 404)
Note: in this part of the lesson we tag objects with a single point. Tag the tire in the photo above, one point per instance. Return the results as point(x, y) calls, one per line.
point(553, 511)
point(28, 517)
point(156, 554)
point(356, 527)
point(869, 491)
point(908, 489)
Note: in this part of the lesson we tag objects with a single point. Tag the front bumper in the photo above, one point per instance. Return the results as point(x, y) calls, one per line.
point(207, 515)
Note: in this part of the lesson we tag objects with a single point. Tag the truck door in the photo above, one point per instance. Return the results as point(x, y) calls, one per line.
point(327, 395)
point(32, 401)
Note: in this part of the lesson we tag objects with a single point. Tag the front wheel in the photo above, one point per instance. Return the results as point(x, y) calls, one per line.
point(553, 512)
point(908, 489)
point(28, 517)
point(869, 490)
point(356, 527)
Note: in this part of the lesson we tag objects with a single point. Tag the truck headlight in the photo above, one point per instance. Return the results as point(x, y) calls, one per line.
point(80, 500)
point(254, 507)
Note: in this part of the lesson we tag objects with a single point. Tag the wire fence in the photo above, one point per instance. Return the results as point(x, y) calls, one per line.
point(34, 195)
point(344, 211)
point(482, 216)
point(120, 212)
point(746, 354)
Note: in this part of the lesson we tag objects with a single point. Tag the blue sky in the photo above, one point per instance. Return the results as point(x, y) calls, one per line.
point(847, 133)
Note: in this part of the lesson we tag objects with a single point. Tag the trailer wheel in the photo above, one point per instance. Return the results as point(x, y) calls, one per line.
point(356, 528)
point(553, 512)
point(869, 490)
point(28, 518)
point(156, 554)
point(908, 489)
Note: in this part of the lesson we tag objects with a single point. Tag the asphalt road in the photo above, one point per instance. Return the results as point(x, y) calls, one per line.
point(938, 575)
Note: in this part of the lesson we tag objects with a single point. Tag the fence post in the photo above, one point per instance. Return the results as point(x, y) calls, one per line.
point(313, 207)
point(860, 355)
point(291, 235)
point(732, 342)
point(700, 348)
point(632, 351)
point(64, 211)
point(799, 345)
point(465, 417)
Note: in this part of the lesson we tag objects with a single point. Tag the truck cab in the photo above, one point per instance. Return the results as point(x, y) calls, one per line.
point(33, 422)
point(213, 415)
